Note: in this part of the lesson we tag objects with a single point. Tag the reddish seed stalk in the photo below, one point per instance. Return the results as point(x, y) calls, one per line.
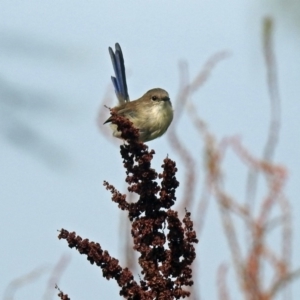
point(164, 243)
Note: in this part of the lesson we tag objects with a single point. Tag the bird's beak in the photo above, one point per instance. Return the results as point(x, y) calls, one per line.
point(166, 98)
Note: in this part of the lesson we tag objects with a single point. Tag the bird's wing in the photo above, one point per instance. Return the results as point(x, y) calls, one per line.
point(119, 81)
point(124, 111)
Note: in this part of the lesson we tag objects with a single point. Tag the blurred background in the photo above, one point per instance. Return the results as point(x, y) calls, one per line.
point(54, 78)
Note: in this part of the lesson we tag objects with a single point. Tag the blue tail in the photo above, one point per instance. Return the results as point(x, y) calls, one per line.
point(119, 81)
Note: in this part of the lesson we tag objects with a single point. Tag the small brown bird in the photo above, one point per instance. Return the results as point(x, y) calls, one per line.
point(152, 114)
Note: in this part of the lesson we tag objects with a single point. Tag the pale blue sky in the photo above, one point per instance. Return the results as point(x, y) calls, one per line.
point(55, 70)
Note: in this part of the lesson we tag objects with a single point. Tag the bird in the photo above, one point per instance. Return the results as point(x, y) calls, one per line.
point(151, 114)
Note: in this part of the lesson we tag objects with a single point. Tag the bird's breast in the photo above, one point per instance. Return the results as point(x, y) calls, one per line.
point(156, 121)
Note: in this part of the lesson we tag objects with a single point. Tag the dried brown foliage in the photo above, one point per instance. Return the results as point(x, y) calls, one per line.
point(61, 294)
point(164, 243)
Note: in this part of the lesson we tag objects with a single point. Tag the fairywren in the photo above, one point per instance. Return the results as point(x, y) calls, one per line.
point(152, 114)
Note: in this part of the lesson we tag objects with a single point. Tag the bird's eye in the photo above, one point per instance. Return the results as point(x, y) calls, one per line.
point(154, 98)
